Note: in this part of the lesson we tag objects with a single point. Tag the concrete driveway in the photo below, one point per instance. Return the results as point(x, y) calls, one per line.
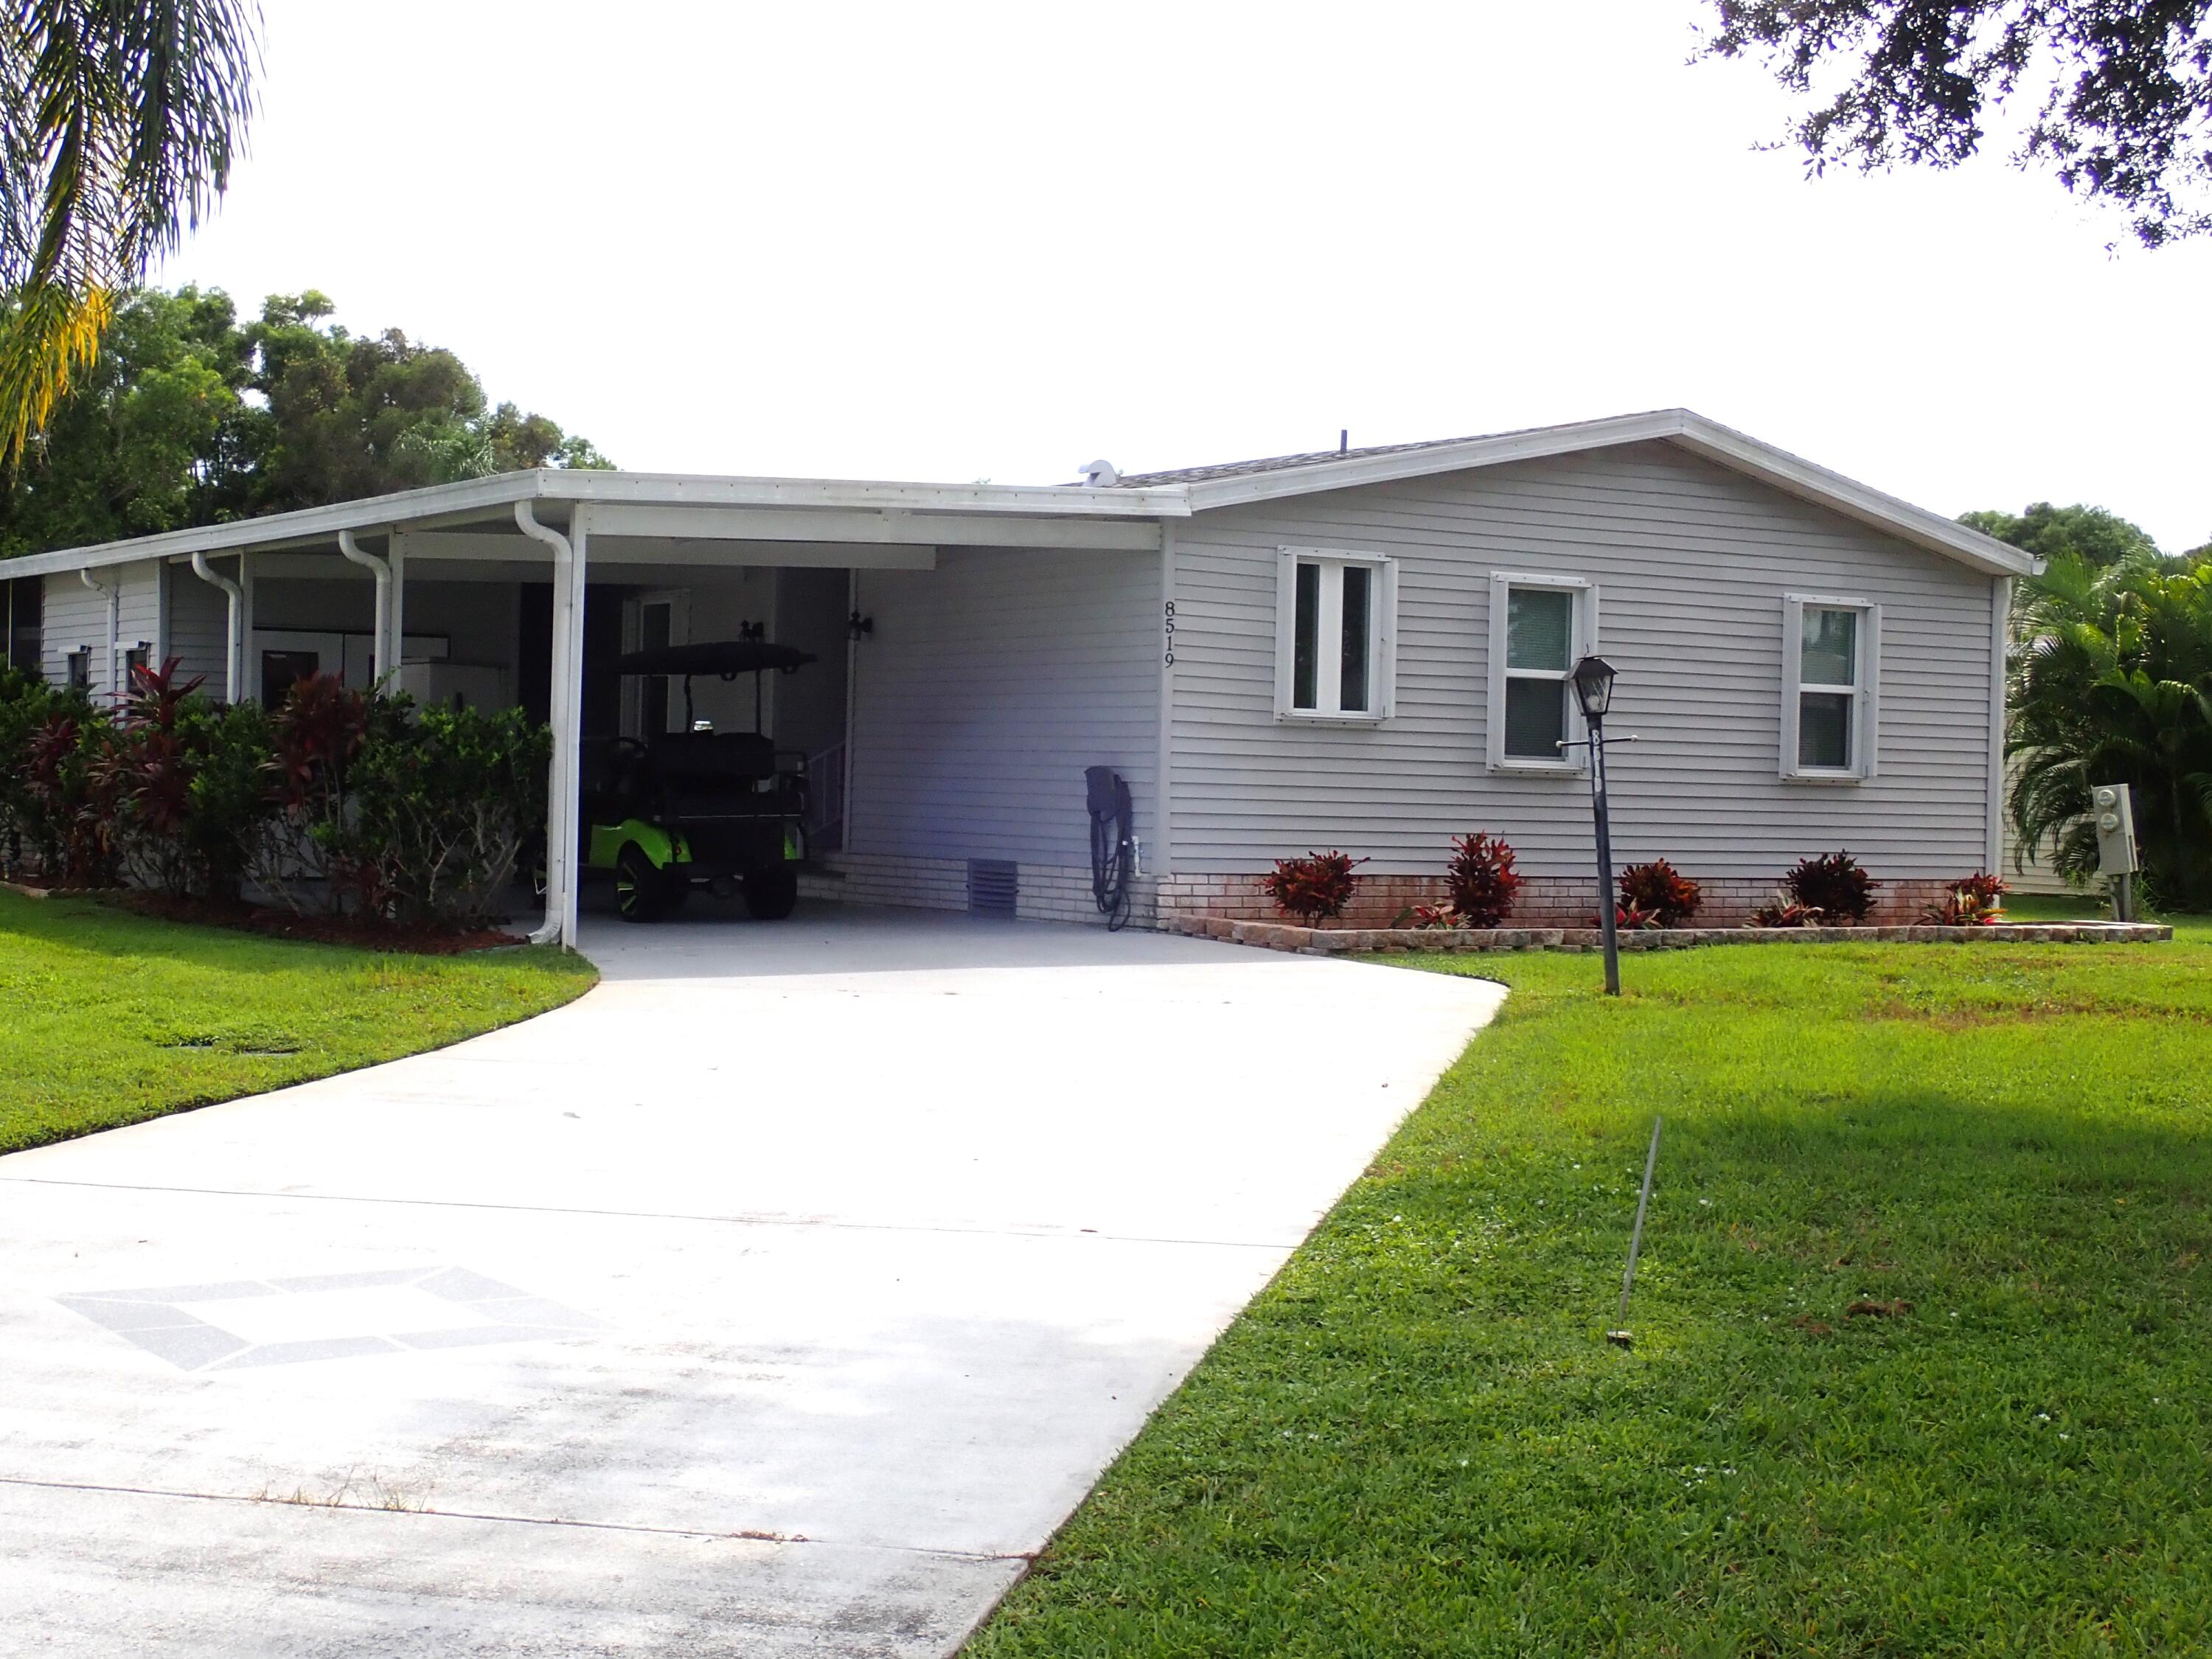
point(780, 1296)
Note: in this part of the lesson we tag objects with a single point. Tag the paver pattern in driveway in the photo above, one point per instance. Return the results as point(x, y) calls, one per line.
point(781, 1295)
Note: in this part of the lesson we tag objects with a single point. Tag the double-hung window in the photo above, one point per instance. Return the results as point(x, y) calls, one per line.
point(1540, 628)
point(1831, 656)
point(1336, 635)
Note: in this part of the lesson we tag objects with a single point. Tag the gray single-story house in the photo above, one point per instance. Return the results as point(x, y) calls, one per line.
point(1363, 649)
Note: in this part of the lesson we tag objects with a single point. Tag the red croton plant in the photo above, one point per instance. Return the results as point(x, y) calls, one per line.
point(1976, 901)
point(1314, 889)
point(148, 766)
point(1660, 890)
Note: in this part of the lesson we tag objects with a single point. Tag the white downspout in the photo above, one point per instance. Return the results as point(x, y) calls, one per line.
point(559, 838)
point(395, 556)
point(114, 597)
point(234, 661)
point(379, 660)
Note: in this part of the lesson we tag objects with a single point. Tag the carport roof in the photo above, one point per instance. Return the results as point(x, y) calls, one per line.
point(1126, 515)
point(711, 508)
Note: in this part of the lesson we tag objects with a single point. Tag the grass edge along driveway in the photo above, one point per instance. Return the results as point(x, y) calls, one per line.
point(1924, 1355)
point(108, 1018)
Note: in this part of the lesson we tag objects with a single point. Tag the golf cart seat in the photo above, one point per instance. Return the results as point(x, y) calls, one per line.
point(709, 758)
point(703, 776)
point(611, 776)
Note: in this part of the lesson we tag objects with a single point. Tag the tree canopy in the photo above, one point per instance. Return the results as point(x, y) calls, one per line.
point(120, 121)
point(2088, 533)
point(189, 416)
point(2117, 94)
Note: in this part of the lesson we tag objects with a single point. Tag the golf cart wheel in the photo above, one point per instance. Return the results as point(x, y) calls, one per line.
point(771, 895)
point(642, 888)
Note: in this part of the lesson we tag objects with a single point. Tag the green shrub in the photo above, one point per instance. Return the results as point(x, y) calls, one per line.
point(53, 809)
point(413, 814)
point(338, 801)
point(448, 797)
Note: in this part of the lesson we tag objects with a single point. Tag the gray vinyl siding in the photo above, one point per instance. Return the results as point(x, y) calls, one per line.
point(73, 617)
point(987, 686)
point(199, 625)
point(1691, 563)
point(76, 617)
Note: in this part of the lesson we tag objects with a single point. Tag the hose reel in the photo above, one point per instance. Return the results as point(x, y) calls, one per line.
point(1113, 843)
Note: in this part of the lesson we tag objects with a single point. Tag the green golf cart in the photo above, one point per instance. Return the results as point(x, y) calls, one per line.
point(698, 807)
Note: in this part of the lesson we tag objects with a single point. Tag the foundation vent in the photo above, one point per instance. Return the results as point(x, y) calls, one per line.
point(994, 886)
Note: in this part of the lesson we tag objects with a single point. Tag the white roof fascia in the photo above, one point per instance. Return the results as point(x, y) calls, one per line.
point(436, 504)
point(443, 505)
point(675, 489)
point(1680, 427)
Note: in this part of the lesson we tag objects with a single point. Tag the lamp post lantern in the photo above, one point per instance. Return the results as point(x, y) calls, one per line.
point(1592, 682)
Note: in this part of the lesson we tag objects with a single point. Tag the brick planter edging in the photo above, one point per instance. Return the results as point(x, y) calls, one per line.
point(1347, 941)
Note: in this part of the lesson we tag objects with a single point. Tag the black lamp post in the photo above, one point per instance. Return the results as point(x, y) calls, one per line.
point(1592, 682)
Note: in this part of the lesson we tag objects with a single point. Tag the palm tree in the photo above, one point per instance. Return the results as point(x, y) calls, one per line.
point(120, 121)
point(2111, 683)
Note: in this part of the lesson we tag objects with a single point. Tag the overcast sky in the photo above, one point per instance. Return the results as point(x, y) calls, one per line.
point(964, 241)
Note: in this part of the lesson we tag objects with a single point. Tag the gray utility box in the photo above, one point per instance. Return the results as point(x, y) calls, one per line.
point(2116, 829)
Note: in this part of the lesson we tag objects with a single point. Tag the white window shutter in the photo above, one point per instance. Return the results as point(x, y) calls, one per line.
point(1493, 714)
point(1286, 582)
point(1793, 647)
point(1385, 663)
point(1870, 692)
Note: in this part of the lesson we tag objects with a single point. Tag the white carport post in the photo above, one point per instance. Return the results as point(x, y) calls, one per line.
point(565, 705)
point(233, 656)
point(379, 659)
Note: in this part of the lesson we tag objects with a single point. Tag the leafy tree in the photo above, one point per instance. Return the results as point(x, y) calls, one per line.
point(2111, 683)
point(2085, 532)
point(2121, 90)
point(192, 417)
point(118, 123)
point(158, 434)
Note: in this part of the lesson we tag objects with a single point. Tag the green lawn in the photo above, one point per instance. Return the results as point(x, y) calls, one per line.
point(107, 1018)
point(1418, 1442)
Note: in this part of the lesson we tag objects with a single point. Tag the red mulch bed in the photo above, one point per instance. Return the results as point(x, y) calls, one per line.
point(368, 933)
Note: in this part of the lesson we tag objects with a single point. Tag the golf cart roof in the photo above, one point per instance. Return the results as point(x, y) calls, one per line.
point(726, 658)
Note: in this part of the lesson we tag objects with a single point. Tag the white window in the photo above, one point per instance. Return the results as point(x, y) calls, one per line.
point(1540, 628)
point(1831, 655)
point(1336, 635)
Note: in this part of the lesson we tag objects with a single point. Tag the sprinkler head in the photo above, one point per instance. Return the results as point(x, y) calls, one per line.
point(1620, 1338)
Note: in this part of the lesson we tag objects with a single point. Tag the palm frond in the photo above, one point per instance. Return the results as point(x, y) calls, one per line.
point(51, 336)
point(122, 121)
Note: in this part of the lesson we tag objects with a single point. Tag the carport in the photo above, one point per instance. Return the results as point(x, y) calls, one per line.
point(644, 530)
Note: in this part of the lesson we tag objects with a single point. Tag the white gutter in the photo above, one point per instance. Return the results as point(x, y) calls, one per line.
point(379, 661)
point(559, 838)
point(114, 597)
point(234, 660)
